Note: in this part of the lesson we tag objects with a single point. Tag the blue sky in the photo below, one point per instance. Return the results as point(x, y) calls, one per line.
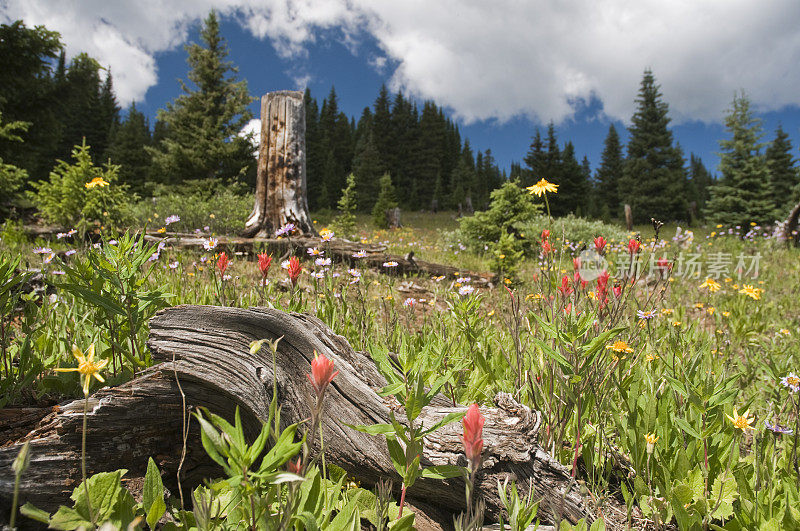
point(500, 68)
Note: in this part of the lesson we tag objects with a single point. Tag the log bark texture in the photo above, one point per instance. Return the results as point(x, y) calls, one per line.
point(212, 363)
point(280, 195)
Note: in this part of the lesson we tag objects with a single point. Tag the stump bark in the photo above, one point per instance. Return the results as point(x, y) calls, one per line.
point(790, 236)
point(280, 195)
point(206, 350)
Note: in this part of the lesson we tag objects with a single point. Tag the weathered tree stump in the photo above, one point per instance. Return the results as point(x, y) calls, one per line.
point(280, 195)
point(628, 217)
point(393, 218)
point(212, 363)
point(790, 234)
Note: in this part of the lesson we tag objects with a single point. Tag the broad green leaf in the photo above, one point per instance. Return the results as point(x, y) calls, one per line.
point(105, 490)
point(444, 472)
point(723, 495)
point(156, 511)
point(34, 513)
point(153, 487)
point(68, 519)
point(375, 429)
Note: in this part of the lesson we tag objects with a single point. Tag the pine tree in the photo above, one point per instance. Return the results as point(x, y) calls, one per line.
point(573, 191)
point(700, 179)
point(345, 222)
point(108, 115)
point(28, 94)
point(128, 150)
point(80, 116)
point(783, 175)
point(609, 174)
point(382, 129)
point(534, 161)
point(367, 168)
point(386, 200)
point(315, 155)
point(653, 179)
point(743, 193)
point(203, 123)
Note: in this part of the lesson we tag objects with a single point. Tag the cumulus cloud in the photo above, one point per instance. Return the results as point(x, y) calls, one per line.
point(484, 60)
point(253, 128)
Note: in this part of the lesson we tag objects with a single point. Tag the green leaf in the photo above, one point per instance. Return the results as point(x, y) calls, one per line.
point(153, 487)
point(724, 490)
point(308, 521)
point(105, 490)
point(34, 513)
point(405, 523)
point(451, 417)
point(68, 519)
point(685, 426)
point(375, 429)
point(156, 511)
point(397, 455)
point(444, 472)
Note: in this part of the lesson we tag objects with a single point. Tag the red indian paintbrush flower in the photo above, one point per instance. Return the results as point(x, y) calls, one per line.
point(264, 261)
point(634, 246)
point(321, 373)
point(545, 234)
point(599, 244)
point(565, 287)
point(222, 263)
point(473, 435)
point(546, 247)
point(294, 270)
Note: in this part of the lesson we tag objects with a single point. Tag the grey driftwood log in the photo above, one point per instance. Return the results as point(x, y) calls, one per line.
point(280, 195)
point(209, 346)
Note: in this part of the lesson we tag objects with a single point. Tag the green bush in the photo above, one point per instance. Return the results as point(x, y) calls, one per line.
point(81, 194)
point(345, 222)
point(11, 177)
point(572, 230)
point(224, 210)
point(386, 200)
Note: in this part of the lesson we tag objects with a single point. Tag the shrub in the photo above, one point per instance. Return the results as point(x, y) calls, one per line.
point(572, 230)
point(81, 194)
point(386, 200)
point(345, 222)
point(11, 177)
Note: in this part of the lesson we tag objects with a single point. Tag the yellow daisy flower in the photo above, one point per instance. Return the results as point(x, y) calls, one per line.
point(87, 367)
point(541, 187)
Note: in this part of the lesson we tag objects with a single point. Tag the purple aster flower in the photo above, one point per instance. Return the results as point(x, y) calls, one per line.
point(778, 429)
point(172, 219)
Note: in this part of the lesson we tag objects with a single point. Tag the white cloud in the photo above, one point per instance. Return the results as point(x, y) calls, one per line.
point(485, 60)
point(253, 127)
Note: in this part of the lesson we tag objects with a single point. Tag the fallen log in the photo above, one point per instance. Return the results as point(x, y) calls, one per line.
point(206, 350)
point(338, 250)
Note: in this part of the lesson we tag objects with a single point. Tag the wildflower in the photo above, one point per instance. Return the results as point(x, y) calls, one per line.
point(741, 422)
point(466, 290)
point(619, 346)
point(264, 261)
point(542, 187)
point(321, 372)
point(565, 287)
point(155, 256)
point(294, 270)
point(712, 285)
point(750, 291)
point(410, 302)
point(390, 263)
point(313, 251)
point(87, 367)
point(699, 305)
point(676, 324)
point(318, 274)
point(546, 247)
point(599, 244)
point(792, 381)
point(172, 219)
point(617, 290)
point(322, 262)
point(360, 254)
point(97, 181)
point(210, 244)
point(173, 265)
point(645, 314)
point(472, 436)
point(634, 246)
point(778, 429)
point(42, 250)
point(222, 263)
point(296, 466)
point(785, 332)
point(651, 440)
point(326, 235)
point(545, 234)
point(438, 278)
point(285, 230)
point(48, 258)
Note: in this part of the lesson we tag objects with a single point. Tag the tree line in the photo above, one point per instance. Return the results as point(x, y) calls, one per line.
point(195, 143)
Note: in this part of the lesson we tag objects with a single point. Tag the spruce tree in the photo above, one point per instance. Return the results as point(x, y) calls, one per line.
point(386, 200)
point(128, 150)
point(609, 174)
point(783, 176)
point(534, 161)
point(81, 116)
point(573, 191)
point(203, 123)
point(367, 169)
point(315, 155)
point(108, 116)
point(700, 179)
point(382, 128)
point(743, 193)
point(653, 180)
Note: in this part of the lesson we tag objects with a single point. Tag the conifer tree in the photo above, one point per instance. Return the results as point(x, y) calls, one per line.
point(783, 175)
point(573, 191)
point(108, 116)
point(81, 103)
point(653, 180)
point(700, 179)
point(367, 169)
point(315, 155)
point(382, 128)
point(608, 175)
point(534, 161)
point(128, 150)
point(203, 123)
point(386, 200)
point(743, 193)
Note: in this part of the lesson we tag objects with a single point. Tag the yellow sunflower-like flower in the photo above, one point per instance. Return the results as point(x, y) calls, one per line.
point(620, 346)
point(750, 291)
point(741, 422)
point(97, 181)
point(542, 187)
point(87, 367)
point(712, 285)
